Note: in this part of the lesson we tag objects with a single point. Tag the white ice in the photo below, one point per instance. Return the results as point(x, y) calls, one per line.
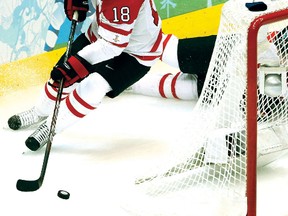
point(98, 158)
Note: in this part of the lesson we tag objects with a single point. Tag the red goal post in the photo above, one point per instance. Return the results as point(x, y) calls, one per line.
point(220, 144)
point(252, 97)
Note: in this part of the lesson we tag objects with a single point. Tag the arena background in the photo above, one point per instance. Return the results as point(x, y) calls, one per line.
point(24, 26)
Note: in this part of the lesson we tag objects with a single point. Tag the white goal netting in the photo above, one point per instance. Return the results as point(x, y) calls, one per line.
point(209, 164)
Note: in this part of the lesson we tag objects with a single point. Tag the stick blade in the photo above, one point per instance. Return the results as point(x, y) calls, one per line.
point(28, 186)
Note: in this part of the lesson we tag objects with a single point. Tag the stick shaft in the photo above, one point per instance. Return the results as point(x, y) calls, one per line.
point(33, 185)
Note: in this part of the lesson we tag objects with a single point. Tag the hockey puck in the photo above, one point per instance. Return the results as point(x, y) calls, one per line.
point(63, 194)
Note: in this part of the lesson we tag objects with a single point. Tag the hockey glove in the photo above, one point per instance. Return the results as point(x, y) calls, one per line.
point(70, 6)
point(74, 70)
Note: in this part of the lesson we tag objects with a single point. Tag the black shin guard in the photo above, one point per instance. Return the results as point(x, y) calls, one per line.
point(194, 56)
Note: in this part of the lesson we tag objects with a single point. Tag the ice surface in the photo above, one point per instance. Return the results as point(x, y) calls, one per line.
point(97, 159)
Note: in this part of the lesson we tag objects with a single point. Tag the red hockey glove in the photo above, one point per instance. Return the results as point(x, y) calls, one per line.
point(72, 71)
point(82, 6)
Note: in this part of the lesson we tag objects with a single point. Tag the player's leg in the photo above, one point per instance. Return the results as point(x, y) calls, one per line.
point(167, 85)
point(109, 78)
point(80, 102)
point(45, 104)
point(191, 56)
point(40, 111)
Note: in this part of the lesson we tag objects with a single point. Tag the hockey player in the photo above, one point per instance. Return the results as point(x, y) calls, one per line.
point(190, 59)
point(116, 51)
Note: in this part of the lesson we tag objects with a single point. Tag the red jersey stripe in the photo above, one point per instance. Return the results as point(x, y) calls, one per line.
point(147, 58)
point(157, 43)
point(115, 30)
point(165, 43)
point(91, 36)
point(120, 45)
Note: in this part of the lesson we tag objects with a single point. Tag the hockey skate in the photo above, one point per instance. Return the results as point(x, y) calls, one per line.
point(25, 119)
point(38, 138)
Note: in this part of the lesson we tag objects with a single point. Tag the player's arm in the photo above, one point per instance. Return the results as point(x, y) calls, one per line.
point(114, 37)
point(115, 24)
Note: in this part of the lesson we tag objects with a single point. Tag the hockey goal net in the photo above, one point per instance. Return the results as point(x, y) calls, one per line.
point(244, 98)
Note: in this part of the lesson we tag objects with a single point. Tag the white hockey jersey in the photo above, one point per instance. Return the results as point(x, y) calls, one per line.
point(131, 26)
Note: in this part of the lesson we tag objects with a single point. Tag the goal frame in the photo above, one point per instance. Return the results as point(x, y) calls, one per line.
point(251, 184)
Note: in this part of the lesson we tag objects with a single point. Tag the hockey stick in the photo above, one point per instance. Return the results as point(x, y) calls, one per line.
point(33, 185)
